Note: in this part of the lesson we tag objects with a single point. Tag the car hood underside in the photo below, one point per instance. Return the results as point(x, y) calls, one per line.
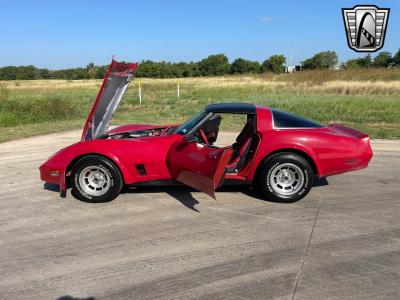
point(114, 86)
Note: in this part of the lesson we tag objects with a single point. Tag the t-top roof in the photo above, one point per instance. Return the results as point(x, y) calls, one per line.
point(240, 108)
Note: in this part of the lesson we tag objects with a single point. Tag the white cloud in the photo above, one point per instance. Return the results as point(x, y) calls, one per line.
point(266, 19)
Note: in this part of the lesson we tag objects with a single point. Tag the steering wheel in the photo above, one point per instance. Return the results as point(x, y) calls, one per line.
point(203, 136)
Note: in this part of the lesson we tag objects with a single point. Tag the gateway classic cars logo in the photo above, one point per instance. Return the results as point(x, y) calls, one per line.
point(365, 27)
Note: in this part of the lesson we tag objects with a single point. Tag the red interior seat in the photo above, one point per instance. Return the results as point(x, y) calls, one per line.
point(242, 145)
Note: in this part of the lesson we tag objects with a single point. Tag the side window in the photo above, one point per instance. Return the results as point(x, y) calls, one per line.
point(287, 120)
point(231, 125)
point(211, 128)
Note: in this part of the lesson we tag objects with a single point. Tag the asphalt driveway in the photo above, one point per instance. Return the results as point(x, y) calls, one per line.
point(341, 241)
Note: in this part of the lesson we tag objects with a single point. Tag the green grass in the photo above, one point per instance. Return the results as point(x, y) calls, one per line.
point(32, 108)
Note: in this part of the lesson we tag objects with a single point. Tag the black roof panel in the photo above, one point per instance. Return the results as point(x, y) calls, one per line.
point(240, 108)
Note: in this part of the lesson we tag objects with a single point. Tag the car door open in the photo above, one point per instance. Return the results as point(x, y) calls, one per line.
point(197, 165)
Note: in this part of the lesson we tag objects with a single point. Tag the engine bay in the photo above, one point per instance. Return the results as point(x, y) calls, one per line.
point(142, 133)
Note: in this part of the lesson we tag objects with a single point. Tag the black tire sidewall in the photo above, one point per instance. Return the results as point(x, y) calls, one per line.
point(271, 164)
point(104, 164)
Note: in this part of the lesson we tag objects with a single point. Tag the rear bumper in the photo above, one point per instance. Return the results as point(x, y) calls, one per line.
point(363, 159)
point(357, 160)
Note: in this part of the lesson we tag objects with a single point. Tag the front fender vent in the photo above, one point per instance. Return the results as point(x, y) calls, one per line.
point(141, 170)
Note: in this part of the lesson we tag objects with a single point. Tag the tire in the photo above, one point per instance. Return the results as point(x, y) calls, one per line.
point(285, 177)
point(95, 179)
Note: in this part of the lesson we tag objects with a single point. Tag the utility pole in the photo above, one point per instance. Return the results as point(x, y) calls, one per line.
point(291, 56)
point(139, 92)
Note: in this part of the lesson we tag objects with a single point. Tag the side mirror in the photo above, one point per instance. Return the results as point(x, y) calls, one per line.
point(189, 138)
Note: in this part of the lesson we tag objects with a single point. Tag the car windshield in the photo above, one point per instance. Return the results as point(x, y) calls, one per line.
point(191, 123)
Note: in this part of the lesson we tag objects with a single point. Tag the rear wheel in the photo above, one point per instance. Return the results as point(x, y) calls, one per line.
point(286, 177)
point(95, 179)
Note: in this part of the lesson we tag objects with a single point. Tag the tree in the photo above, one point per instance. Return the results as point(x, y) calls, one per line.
point(383, 59)
point(44, 74)
point(352, 63)
point(274, 64)
point(192, 70)
point(214, 65)
point(79, 73)
point(27, 73)
point(396, 58)
point(242, 66)
point(365, 61)
point(321, 60)
point(362, 62)
point(8, 73)
point(92, 73)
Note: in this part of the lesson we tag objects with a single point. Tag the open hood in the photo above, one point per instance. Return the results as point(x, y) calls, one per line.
point(112, 90)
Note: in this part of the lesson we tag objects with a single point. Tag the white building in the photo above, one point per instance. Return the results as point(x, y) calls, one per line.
point(291, 69)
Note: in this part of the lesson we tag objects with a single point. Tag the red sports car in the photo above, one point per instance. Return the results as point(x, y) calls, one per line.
point(278, 152)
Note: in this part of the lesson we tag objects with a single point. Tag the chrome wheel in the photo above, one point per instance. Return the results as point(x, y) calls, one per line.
point(286, 179)
point(94, 180)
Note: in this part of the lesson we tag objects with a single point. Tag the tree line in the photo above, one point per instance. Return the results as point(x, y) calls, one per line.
point(213, 65)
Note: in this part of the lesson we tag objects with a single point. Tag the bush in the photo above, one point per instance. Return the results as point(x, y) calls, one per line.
point(4, 92)
point(362, 62)
point(242, 66)
point(37, 109)
point(396, 58)
point(214, 65)
point(321, 60)
point(274, 64)
point(383, 59)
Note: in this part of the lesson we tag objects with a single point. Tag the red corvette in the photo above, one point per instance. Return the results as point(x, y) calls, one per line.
point(278, 152)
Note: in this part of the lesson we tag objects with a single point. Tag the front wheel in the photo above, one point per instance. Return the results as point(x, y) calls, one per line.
point(286, 177)
point(95, 179)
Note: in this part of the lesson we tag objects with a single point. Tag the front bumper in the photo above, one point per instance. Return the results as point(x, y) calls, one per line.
point(53, 175)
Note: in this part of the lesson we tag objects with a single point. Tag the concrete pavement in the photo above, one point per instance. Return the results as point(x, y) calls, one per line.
point(341, 241)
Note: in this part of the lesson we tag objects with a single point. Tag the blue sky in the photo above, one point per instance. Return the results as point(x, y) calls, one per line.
point(60, 34)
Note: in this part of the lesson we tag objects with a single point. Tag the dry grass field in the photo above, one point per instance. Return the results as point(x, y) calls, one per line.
point(365, 99)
